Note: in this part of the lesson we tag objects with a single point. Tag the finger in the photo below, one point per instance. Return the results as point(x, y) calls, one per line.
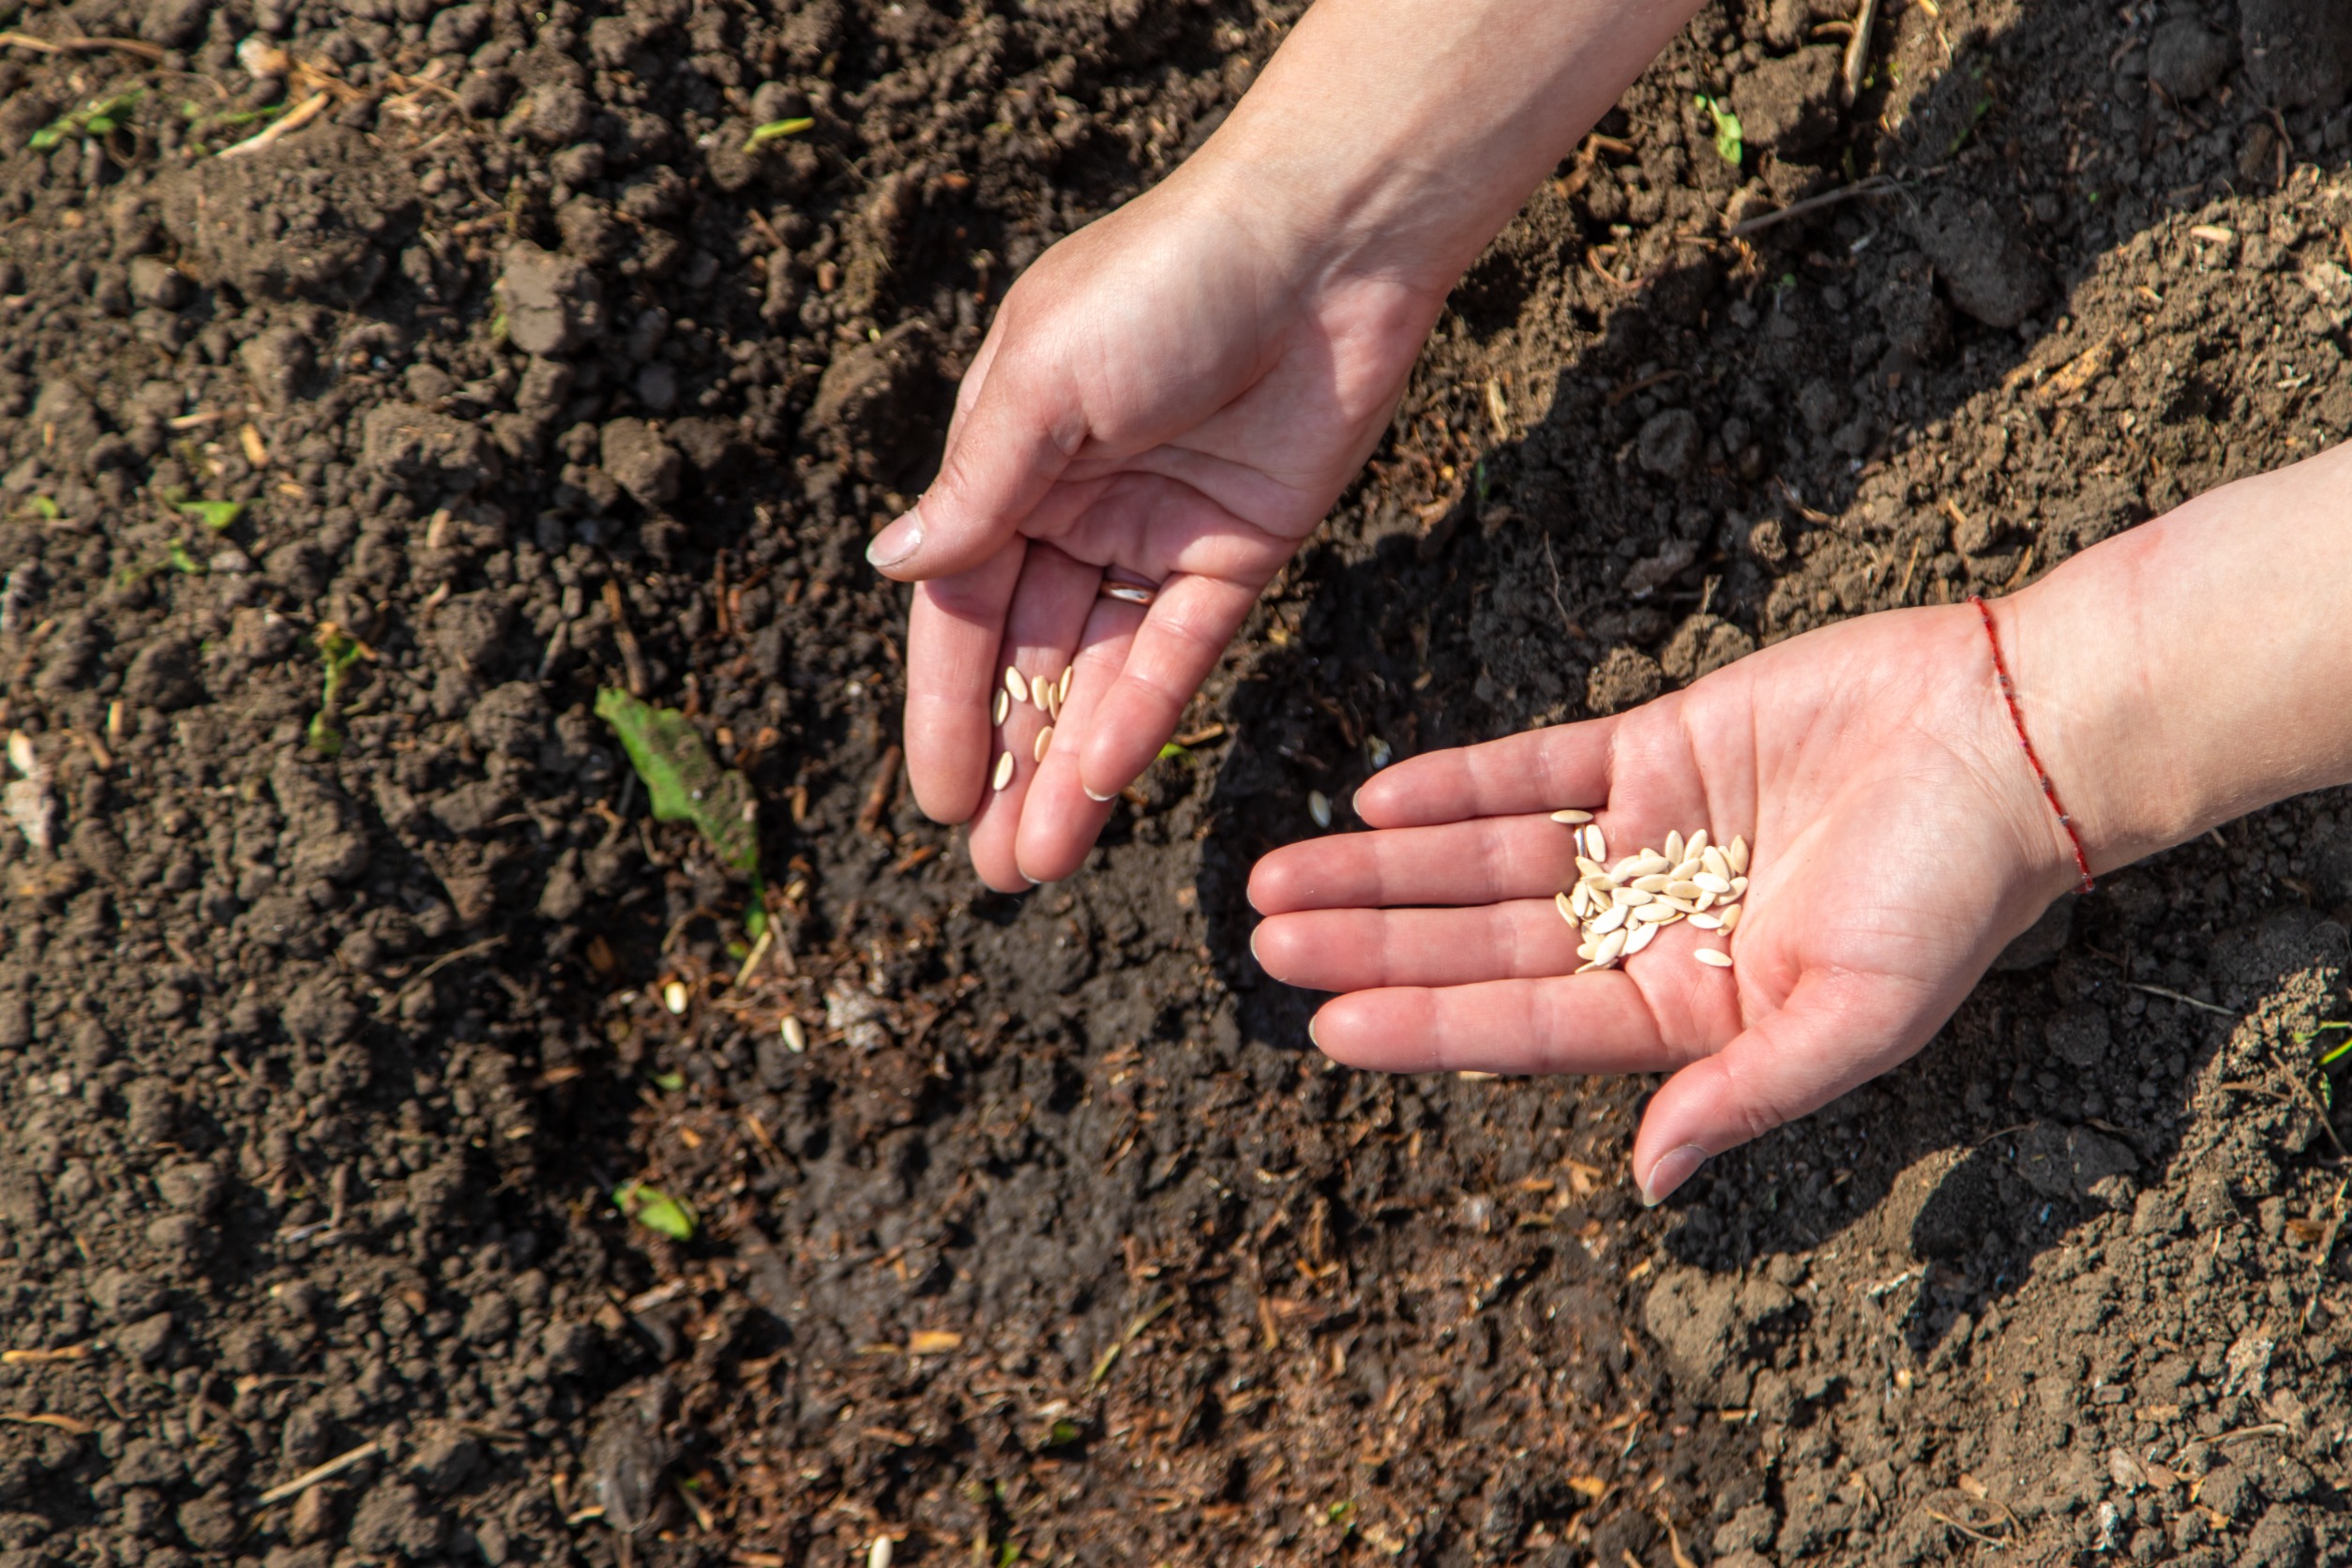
point(1542, 770)
point(1835, 1031)
point(954, 631)
point(1022, 428)
point(1183, 636)
point(1357, 949)
point(1060, 821)
point(1482, 862)
point(1050, 606)
point(1599, 1022)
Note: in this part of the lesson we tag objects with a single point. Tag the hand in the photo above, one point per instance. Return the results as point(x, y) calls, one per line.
point(1173, 396)
point(1899, 841)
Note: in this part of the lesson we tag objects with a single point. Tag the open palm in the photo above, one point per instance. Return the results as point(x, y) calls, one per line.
point(1166, 399)
point(1899, 842)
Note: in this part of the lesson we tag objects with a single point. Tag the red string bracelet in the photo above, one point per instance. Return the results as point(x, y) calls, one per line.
point(2009, 695)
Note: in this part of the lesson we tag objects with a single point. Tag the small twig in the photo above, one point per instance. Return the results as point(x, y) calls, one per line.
point(2184, 1001)
point(1968, 1530)
point(869, 815)
point(2268, 1430)
point(436, 967)
point(2327, 1250)
point(1876, 185)
point(82, 46)
point(1567, 624)
point(1858, 50)
point(328, 1471)
point(293, 120)
point(632, 656)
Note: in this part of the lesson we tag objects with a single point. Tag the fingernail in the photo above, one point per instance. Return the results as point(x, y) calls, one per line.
point(897, 542)
point(1673, 1169)
point(1100, 800)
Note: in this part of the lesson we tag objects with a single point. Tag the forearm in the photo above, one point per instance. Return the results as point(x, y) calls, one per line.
point(1398, 136)
point(2198, 667)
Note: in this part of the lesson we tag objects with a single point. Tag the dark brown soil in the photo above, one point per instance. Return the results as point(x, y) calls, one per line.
point(320, 1070)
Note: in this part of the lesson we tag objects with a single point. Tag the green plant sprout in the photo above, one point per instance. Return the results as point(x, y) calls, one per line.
point(338, 650)
point(776, 131)
point(218, 516)
point(655, 1210)
point(97, 117)
point(682, 780)
point(1730, 142)
point(176, 553)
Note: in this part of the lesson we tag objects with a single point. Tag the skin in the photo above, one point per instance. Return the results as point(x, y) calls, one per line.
point(1900, 838)
point(1177, 393)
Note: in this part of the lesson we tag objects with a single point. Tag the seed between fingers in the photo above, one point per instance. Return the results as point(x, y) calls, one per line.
point(1045, 739)
point(1016, 685)
point(1003, 771)
point(1000, 707)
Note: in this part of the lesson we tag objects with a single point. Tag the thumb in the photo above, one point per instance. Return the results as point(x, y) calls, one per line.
point(1007, 446)
point(1834, 1032)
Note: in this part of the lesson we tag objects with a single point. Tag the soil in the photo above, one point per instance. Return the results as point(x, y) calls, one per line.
point(339, 956)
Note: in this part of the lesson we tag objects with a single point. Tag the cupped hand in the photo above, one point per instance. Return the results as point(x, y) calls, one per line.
point(1172, 398)
point(1899, 841)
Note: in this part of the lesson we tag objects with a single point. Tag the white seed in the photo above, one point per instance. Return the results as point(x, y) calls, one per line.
point(1673, 849)
point(1632, 897)
point(1688, 867)
point(1612, 943)
point(1643, 936)
point(1567, 908)
point(1713, 883)
point(1053, 708)
point(1609, 921)
point(1589, 968)
point(1738, 888)
point(1062, 691)
point(1650, 884)
point(1688, 906)
point(1319, 807)
point(1713, 958)
point(1649, 864)
point(1003, 772)
point(1696, 842)
point(1652, 914)
point(1704, 902)
point(1571, 819)
point(1715, 861)
point(1595, 845)
point(674, 995)
point(1588, 866)
point(1002, 706)
point(1585, 951)
point(1730, 919)
point(1041, 693)
point(1045, 739)
point(1706, 921)
point(1014, 683)
point(1738, 857)
point(881, 1553)
point(795, 1038)
point(1684, 889)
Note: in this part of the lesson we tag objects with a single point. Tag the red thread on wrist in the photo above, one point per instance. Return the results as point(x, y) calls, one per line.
point(2017, 719)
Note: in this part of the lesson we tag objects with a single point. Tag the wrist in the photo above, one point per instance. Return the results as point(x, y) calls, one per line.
point(2188, 671)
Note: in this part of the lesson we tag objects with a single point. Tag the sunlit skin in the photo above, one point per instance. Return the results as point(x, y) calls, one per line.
point(1900, 837)
point(1176, 394)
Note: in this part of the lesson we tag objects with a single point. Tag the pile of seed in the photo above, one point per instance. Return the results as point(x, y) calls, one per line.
point(1620, 910)
point(1049, 694)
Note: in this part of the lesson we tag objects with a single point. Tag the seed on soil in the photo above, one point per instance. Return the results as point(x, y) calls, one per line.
point(1319, 807)
point(1045, 739)
point(1003, 771)
point(1621, 910)
point(881, 1553)
point(673, 996)
point(1001, 708)
point(1014, 683)
point(1713, 958)
point(796, 1036)
point(1571, 819)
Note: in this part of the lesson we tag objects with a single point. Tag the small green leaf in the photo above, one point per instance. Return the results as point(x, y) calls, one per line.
point(672, 1082)
point(1730, 143)
point(216, 515)
point(1339, 1513)
point(1172, 749)
point(46, 138)
point(655, 1210)
point(183, 563)
point(682, 781)
point(47, 507)
point(776, 131)
point(1062, 1433)
point(1007, 1554)
point(338, 652)
point(755, 919)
